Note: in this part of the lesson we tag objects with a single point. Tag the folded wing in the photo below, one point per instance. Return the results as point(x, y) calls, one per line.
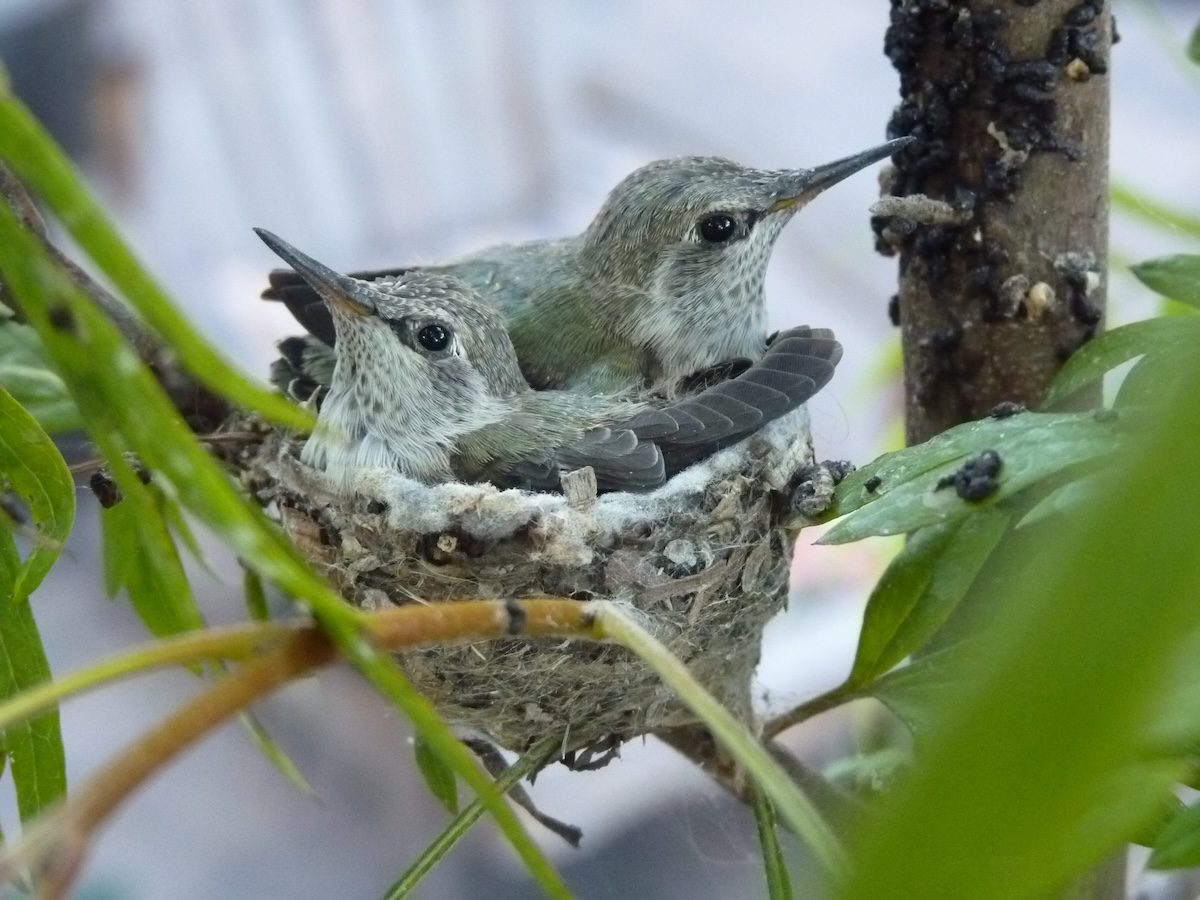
point(620, 460)
point(798, 363)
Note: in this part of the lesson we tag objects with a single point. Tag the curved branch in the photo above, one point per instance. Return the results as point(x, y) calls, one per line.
point(199, 406)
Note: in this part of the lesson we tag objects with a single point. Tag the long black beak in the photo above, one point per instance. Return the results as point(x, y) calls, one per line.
point(800, 186)
point(347, 294)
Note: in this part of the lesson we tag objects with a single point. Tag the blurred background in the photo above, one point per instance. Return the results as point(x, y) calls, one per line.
point(369, 133)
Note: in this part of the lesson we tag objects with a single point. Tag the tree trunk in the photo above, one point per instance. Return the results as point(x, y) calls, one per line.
point(1004, 279)
point(1002, 264)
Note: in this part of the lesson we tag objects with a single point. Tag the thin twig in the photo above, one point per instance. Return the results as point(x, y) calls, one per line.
point(146, 343)
point(530, 763)
point(189, 396)
point(843, 693)
point(213, 439)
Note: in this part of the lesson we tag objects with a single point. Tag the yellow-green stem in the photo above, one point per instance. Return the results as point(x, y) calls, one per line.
point(790, 803)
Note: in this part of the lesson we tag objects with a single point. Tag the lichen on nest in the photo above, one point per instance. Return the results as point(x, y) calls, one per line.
point(703, 561)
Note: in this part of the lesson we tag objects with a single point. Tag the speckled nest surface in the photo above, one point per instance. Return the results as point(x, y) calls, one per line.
point(703, 560)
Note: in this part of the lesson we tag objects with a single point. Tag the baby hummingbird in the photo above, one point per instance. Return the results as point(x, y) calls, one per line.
point(667, 280)
point(426, 381)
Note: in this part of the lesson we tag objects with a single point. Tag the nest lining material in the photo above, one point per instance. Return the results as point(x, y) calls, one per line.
point(703, 562)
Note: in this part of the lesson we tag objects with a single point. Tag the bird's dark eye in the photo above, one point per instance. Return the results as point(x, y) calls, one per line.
point(717, 228)
point(434, 337)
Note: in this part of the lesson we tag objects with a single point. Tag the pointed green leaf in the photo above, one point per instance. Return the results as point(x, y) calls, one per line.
point(918, 692)
point(1108, 350)
point(1152, 833)
point(1032, 447)
point(274, 753)
point(43, 394)
point(920, 589)
point(439, 777)
point(1178, 847)
point(1154, 212)
point(140, 555)
point(1193, 45)
point(26, 374)
point(1176, 277)
point(532, 760)
point(35, 747)
point(256, 597)
point(33, 469)
point(181, 528)
point(1144, 383)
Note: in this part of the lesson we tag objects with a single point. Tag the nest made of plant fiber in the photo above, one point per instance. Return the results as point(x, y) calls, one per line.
point(703, 561)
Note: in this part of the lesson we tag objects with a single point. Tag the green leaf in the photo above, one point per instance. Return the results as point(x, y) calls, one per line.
point(274, 754)
point(1048, 707)
point(124, 408)
point(439, 777)
point(1065, 500)
point(1032, 447)
point(35, 747)
point(1176, 729)
point(529, 763)
point(140, 556)
point(33, 469)
point(1178, 847)
point(26, 374)
point(1144, 382)
point(1176, 277)
point(1169, 218)
point(43, 394)
point(179, 526)
point(1193, 45)
point(1108, 350)
point(866, 773)
point(256, 597)
point(1152, 833)
point(32, 154)
point(918, 692)
point(920, 589)
point(779, 884)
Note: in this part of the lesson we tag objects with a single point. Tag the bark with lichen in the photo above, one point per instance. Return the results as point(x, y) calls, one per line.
point(1003, 277)
point(998, 212)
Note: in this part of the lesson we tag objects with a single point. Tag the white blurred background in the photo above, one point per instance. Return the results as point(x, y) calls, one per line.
point(370, 132)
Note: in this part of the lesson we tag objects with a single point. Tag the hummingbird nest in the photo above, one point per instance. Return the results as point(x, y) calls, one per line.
point(703, 561)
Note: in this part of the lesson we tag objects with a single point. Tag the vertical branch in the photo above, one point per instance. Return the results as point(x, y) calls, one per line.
point(1010, 105)
point(1003, 277)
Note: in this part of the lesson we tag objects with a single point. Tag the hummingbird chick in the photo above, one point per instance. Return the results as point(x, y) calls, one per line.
point(668, 279)
point(426, 381)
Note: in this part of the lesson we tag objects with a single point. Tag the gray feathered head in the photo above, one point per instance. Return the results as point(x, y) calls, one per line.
point(419, 323)
point(701, 214)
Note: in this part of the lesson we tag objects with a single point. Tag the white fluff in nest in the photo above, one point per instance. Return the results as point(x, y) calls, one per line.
point(490, 513)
